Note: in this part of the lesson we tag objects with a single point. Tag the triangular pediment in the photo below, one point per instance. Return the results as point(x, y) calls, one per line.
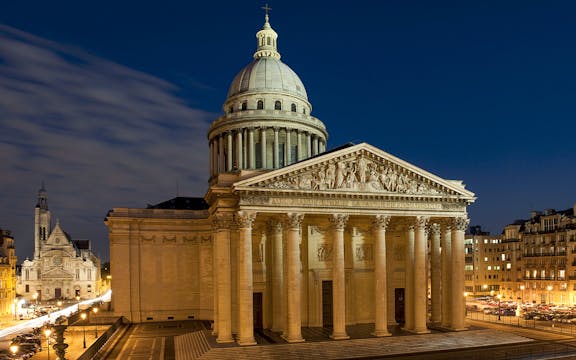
point(57, 273)
point(359, 168)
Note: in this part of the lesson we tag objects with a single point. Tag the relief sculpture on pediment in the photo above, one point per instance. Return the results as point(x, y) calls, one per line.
point(356, 174)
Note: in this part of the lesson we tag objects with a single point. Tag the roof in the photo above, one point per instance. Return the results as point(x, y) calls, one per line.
point(82, 244)
point(182, 203)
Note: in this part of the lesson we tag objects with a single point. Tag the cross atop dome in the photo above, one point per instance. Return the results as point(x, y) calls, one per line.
point(267, 39)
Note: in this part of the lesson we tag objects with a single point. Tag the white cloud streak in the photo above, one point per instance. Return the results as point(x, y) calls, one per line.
point(100, 134)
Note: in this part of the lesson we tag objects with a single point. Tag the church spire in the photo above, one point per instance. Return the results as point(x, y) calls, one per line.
point(42, 198)
point(267, 39)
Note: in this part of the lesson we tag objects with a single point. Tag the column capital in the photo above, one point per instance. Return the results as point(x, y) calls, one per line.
point(273, 225)
point(460, 223)
point(421, 221)
point(221, 221)
point(338, 221)
point(435, 229)
point(244, 219)
point(381, 221)
point(294, 220)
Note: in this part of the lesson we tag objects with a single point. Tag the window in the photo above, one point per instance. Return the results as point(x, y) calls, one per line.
point(486, 258)
point(508, 266)
point(260, 105)
point(293, 107)
point(231, 109)
point(244, 106)
point(27, 288)
point(277, 105)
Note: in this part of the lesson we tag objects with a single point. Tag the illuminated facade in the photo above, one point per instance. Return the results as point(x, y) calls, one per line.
point(483, 263)
point(289, 234)
point(8, 261)
point(62, 268)
point(542, 258)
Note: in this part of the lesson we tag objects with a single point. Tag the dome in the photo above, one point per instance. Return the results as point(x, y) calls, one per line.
point(267, 74)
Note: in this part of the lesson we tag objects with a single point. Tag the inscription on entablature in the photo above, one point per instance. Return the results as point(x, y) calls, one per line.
point(336, 203)
point(147, 239)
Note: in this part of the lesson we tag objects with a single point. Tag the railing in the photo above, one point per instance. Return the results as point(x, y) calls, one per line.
point(93, 350)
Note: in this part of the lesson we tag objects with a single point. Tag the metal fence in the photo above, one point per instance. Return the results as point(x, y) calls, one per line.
point(568, 328)
point(93, 350)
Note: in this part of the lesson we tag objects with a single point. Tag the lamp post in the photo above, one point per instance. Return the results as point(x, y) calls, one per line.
point(59, 303)
point(47, 332)
point(519, 306)
point(83, 316)
point(485, 288)
point(499, 296)
point(95, 310)
point(549, 287)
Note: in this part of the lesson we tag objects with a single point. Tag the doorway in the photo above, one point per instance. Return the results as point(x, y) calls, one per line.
point(399, 300)
point(58, 293)
point(257, 310)
point(327, 303)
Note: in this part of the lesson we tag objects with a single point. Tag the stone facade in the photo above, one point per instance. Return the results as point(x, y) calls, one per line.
point(542, 257)
point(62, 268)
point(321, 239)
point(8, 262)
point(484, 263)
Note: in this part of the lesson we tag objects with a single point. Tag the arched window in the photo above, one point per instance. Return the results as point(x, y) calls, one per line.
point(304, 111)
point(277, 105)
point(244, 105)
point(260, 105)
point(231, 109)
point(293, 107)
point(268, 41)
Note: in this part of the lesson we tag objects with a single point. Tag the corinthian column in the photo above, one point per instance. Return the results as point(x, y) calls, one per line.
point(244, 220)
point(446, 245)
point(294, 316)
point(409, 280)
point(338, 276)
point(263, 146)
point(276, 155)
point(275, 229)
point(459, 226)
point(380, 223)
point(221, 224)
point(251, 149)
point(435, 274)
point(420, 281)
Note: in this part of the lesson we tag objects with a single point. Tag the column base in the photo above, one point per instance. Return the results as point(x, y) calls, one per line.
point(247, 342)
point(225, 340)
point(293, 339)
point(380, 333)
point(342, 336)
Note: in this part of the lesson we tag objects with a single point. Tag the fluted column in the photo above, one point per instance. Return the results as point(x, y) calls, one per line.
point(420, 281)
point(263, 146)
point(435, 274)
point(251, 149)
point(409, 279)
point(244, 220)
point(245, 152)
point(288, 150)
point(275, 231)
point(314, 145)
point(239, 150)
point(446, 259)
point(229, 152)
point(459, 226)
point(379, 225)
point(276, 154)
point(294, 316)
point(221, 223)
point(338, 222)
point(298, 145)
point(211, 150)
point(215, 282)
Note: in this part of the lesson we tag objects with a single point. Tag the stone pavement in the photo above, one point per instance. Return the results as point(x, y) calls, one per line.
point(201, 345)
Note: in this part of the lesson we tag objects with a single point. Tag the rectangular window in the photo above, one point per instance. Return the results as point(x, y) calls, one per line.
point(27, 288)
point(508, 266)
point(77, 274)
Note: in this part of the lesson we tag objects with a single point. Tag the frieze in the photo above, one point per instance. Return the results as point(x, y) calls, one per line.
point(379, 204)
point(168, 239)
point(146, 239)
point(359, 173)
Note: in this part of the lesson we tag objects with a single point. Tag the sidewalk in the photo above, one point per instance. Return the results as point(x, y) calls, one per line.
point(74, 337)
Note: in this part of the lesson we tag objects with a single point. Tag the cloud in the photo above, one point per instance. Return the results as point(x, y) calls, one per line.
point(100, 135)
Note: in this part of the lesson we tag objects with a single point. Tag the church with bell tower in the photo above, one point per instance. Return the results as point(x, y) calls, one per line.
point(290, 234)
point(62, 268)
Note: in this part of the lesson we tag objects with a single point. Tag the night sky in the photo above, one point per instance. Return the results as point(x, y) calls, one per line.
point(109, 102)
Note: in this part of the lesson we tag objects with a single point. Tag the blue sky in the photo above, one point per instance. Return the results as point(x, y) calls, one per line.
point(108, 103)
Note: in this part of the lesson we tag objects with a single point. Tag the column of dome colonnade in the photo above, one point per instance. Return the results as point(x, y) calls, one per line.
point(236, 149)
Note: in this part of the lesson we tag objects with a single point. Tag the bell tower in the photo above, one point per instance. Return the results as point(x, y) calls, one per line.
point(42, 226)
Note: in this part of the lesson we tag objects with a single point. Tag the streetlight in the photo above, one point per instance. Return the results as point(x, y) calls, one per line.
point(59, 303)
point(14, 349)
point(549, 289)
point(83, 316)
point(47, 332)
point(499, 296)
point(95, 309)
point(485, 287)
point(519, 306)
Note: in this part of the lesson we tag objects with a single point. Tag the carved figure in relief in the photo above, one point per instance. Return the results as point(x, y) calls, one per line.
point(351, 176)
point(340, 169)
point(362, 169)
point(324, 252)
point(331, 175)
